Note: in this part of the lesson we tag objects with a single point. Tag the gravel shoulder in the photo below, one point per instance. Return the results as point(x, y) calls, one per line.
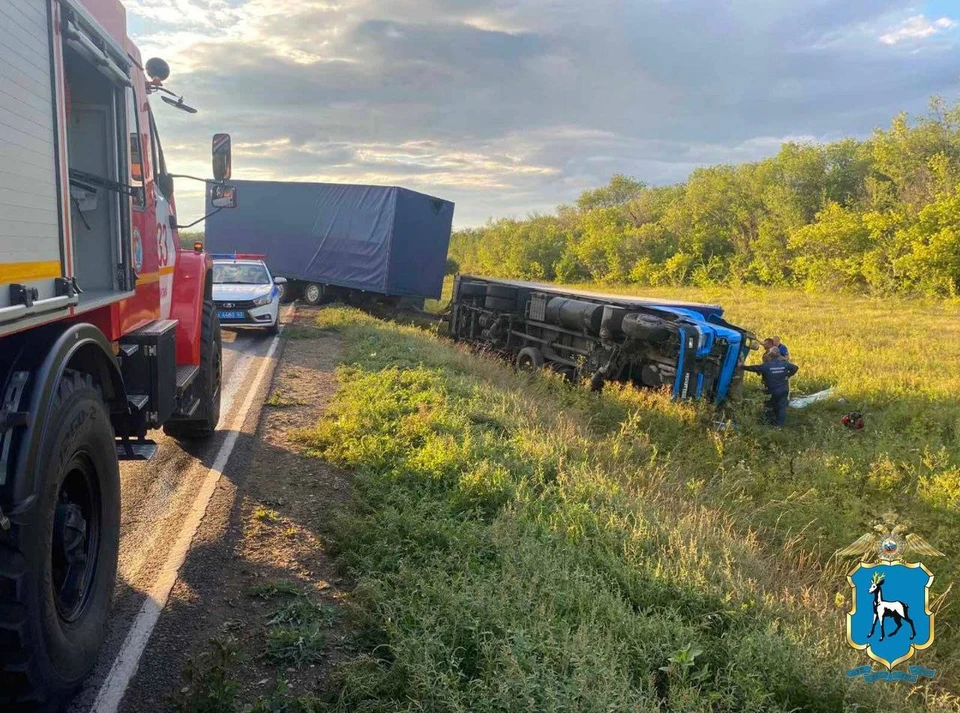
point(258, 604)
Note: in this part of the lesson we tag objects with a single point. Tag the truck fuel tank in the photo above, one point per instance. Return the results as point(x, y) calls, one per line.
point(574, 314)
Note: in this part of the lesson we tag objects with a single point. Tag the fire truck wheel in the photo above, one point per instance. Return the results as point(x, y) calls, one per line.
point(210, 382)
point(312, 294)
point(58, 564)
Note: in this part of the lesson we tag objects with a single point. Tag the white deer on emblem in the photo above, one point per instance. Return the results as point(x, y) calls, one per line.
point(883, 609)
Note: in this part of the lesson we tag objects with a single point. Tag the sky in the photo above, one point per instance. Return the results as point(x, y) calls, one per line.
point(511, 107)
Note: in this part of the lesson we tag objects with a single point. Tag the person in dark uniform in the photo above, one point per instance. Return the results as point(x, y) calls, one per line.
point(775, 372)
point(784, 352)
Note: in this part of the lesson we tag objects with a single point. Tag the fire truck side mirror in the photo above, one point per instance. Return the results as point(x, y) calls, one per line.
point(222, 196)
point(165, 184)
point(221, 157)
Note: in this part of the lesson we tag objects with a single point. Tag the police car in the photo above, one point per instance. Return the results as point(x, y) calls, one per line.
point(245, 293)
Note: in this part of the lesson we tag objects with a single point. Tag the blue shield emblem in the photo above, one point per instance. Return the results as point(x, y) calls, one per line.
point(890, 617)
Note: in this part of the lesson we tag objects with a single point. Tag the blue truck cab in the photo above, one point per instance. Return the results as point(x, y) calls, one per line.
point(716, 340)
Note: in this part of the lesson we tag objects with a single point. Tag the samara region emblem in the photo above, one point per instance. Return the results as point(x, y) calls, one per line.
point(890, 617)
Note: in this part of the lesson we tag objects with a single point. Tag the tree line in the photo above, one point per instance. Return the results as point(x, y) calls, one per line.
point(881, 214)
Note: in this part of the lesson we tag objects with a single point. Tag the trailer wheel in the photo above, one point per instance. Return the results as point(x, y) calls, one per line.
point(209, 381)
point(58, 564)
point(529, 359)
point(500, 304)
point(288, 293)
point(312, 293)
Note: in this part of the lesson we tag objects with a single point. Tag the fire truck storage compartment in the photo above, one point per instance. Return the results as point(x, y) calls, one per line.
point(30, 238)
point(100, 112)
point(51, 243)
point(150, 368)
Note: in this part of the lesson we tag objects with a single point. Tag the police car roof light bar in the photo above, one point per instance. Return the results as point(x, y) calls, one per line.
point(238, 256)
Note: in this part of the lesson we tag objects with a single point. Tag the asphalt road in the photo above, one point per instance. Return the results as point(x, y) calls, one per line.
point(156, 497)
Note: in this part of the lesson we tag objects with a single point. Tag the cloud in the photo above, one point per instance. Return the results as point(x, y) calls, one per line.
point(511, 106)
point(917, 27)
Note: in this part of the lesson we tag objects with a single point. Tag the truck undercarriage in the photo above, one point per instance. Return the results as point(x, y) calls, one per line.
point(686, 348)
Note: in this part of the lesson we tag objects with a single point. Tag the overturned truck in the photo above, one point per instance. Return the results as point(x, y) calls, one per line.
point(685, 347)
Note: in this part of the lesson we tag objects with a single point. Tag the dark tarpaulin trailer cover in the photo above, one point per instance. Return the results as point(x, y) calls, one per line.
point(381, 239)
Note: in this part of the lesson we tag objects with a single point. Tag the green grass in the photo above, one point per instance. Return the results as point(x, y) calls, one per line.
point(523, 545)
point(207, 684)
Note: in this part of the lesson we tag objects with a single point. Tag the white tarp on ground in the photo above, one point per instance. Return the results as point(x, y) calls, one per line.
point(804, 401)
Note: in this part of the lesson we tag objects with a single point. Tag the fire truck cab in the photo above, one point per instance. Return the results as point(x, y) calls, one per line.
point(107, 328)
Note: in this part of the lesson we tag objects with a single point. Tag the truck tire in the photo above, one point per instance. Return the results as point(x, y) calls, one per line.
point(500, 304)
point(58, 566)
point(646, 328)
point(209, 381)
point(312, 293)
point(529, 359)
point(288, 292)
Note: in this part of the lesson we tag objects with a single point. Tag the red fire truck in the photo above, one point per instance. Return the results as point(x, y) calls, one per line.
point(107, 327)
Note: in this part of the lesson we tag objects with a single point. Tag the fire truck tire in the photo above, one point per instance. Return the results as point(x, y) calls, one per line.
point(529, 359)
point(312, 293)
point(210, 381)
point(500, 304)
point(58, 565)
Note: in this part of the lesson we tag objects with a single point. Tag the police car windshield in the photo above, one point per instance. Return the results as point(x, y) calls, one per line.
point(240, 274)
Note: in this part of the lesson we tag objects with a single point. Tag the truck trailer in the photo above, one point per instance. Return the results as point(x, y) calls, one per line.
point(683, 347)
point(107, 328)
point(338, 241)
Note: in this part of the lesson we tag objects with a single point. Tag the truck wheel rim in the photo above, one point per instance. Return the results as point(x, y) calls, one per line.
point(313, 293)
point(76, 540)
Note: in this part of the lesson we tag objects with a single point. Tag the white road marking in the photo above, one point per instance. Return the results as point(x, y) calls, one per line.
point(239, 370)
point(128, 659)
